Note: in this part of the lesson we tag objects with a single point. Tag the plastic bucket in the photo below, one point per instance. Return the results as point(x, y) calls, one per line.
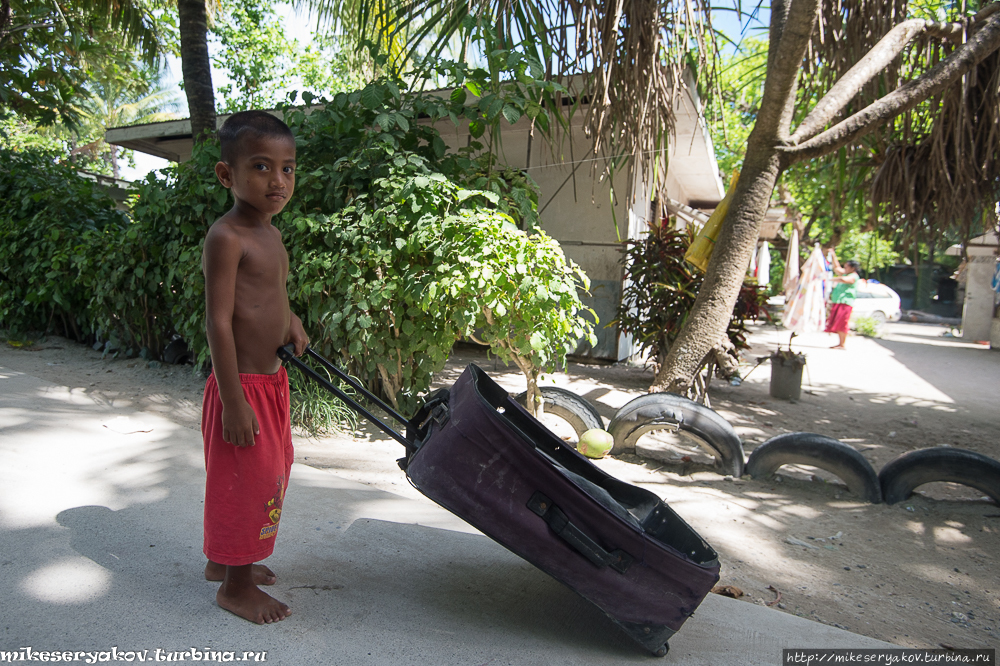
point(786, 378)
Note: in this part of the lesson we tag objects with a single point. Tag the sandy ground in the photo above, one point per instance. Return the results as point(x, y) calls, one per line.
point(921, 573)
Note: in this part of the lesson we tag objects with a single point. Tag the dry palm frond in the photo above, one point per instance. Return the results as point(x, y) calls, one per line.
point(946, 175)
point(847, 30)
point(643, 45)
point(935, 167)
point(623, 60)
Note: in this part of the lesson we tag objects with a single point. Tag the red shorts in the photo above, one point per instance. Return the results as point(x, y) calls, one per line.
point(840, 314)
point(245, 487)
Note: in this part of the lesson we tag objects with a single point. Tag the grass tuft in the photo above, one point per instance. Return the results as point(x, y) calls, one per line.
point(316, 411)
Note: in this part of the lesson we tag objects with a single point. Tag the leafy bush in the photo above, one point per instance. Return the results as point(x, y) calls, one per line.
point(366, 283)
point(348, 143)
point(376, 185)
point(51, 223)
point(394, 255)
point(529, 305)
point(868, 327)
point(149, 283)
point(661, 288)
point(391, 282)
point(355, 139)
point(96, 272)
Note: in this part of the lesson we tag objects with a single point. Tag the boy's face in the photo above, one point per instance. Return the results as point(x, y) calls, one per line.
point(262, 175)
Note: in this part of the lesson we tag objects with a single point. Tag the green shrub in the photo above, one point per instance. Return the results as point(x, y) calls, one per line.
point(868, 327)
point(361, 279)
point(393, 255)
point(388, 284)
point(350, 142)
point(387, 226)
point(527, 298)
point(149, 281)
point(52, 221)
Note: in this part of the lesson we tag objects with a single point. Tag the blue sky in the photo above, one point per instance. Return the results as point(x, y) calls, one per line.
point(738, 27)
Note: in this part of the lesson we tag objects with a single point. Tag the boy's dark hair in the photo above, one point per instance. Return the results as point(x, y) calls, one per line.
point(253, 123)
point(851, 263)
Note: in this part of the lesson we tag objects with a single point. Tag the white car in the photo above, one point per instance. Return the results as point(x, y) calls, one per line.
point(877, 301)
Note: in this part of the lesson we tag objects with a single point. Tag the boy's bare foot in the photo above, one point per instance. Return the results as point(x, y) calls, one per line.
point(252, 604)
point(240, 596)
point(216, 573)
point(838, 347)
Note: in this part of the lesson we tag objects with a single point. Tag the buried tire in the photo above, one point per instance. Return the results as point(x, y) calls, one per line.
point(697, 423)
point(902, 475)
point(570, 407)
point(177, 352)
point(806, 448)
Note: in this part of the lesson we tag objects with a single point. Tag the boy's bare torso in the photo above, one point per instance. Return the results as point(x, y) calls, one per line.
point(261, 315)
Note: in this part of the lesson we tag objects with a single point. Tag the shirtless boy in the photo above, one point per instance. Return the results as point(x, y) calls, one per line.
point(245, 418)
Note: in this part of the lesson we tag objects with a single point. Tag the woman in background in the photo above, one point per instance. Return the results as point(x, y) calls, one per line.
point(842, 298)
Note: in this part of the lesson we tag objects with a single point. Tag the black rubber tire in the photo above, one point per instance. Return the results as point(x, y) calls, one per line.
point(806, 448)
point(656, 411)
point(662, 652)
point(903, 474)
point(177, 352)
point(571, 407)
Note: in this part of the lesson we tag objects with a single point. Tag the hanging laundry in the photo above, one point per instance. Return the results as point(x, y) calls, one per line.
point(805, 311)
point(791, 279)
point(764, 265)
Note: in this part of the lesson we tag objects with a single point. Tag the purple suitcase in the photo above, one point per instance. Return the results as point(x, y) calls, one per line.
point(476, 452)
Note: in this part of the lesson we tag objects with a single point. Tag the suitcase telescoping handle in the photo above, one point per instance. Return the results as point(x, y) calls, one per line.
point(287, 354)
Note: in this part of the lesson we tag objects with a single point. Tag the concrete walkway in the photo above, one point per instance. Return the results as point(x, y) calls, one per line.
point(100, 547)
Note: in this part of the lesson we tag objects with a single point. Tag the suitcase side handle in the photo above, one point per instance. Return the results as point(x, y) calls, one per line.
point(560, 523)
point(287, 354)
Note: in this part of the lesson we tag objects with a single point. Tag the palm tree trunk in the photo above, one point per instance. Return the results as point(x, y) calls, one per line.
point(792, 23)
point(709, 317)
point(5, 19)
point(771, 149)
point(196, 67)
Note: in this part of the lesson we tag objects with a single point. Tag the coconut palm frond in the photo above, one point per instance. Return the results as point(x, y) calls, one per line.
point(381, 23)
point(132, 20)
point(114, 103)
point(155, 107)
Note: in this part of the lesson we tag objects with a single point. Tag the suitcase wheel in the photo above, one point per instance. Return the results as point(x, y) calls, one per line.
point(662, 652)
